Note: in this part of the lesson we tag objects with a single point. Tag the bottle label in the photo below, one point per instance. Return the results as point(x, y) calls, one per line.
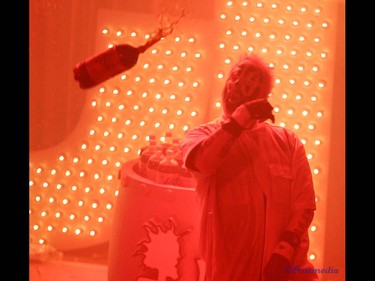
point(105, 65)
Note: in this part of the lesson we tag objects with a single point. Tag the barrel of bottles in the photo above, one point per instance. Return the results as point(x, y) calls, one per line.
point(155, 231)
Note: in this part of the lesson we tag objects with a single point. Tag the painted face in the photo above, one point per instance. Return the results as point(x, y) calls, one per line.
point(243, 86)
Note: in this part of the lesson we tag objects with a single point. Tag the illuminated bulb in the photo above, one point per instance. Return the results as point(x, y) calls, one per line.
point(123, 77)
point(264, 50)
point(313, 228)
point(309, 156)
point(306, 83)
point(244, 3)
point(90, 161)
point(221, 45)
point(303, 141)
point(293, 52)
point(228, 32)
point(100, 118)
point(175, 68)
point(109, 46)
point(272, 36)
point(319, 114)
point(92, 132)
point(311, 127)
point(287, 37)
point(74, 187)
point(229, 3)
point(259, 5)
point(290, 111)
point(134, 137)
point(317, 142)
point(281, 21)
point(308, 54)
point(195, 84)
point(301, 38)
point(323, 55)
point(285, 66)
point(172, 97)
point(244, 33)
point(325, 24)
point(257, 35)
point(188, 69)
point(251, 19)
point(58, 186)
point(316, 39)
point(237, 18)
point(292, 81)
point(166, 81)
point(171, 126)
point(303, 9)
point(45, 184)
point(313, 98)
point(312, 257)
point(168, 52)
point(223, 16)
point(296, 23)
point(250, 49)
point(321, 85)
point(164, 111)
point(305, 112)
point(284, 96)
point(187, 99)
point(126, 149)
point(235, 47)
point(179, 112)
point(279, 51)
point(276, 109)
point(185, 128)
point(128, 122)
point(67, 173)
point(157, 125)
point(180, 84)
point(177, 39)
point(296, 126)
point(77, 231)
point(92, 233)
point(58, 215)
point(282, 124)
point(105, 31)
point(183, 54)
point(193, 113)
point(317, 11)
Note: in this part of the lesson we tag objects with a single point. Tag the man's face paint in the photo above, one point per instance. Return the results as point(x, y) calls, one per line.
point(242, 86)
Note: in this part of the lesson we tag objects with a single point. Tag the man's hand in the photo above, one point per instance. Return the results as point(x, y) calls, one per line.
point(277, 268)
point(260, 109)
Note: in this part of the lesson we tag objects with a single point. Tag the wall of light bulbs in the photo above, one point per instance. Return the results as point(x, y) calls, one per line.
point(177, 85)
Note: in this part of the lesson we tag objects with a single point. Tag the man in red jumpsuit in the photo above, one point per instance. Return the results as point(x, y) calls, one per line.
point(254, 183)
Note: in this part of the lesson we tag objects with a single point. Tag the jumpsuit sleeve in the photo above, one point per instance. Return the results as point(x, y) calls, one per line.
point(203, 148)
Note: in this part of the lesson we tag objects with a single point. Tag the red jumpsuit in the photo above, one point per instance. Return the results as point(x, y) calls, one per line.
point(249, 198)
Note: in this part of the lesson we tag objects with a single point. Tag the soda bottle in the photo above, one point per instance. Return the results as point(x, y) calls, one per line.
point(153, 163)
point(168, 169)
point(145, 156)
